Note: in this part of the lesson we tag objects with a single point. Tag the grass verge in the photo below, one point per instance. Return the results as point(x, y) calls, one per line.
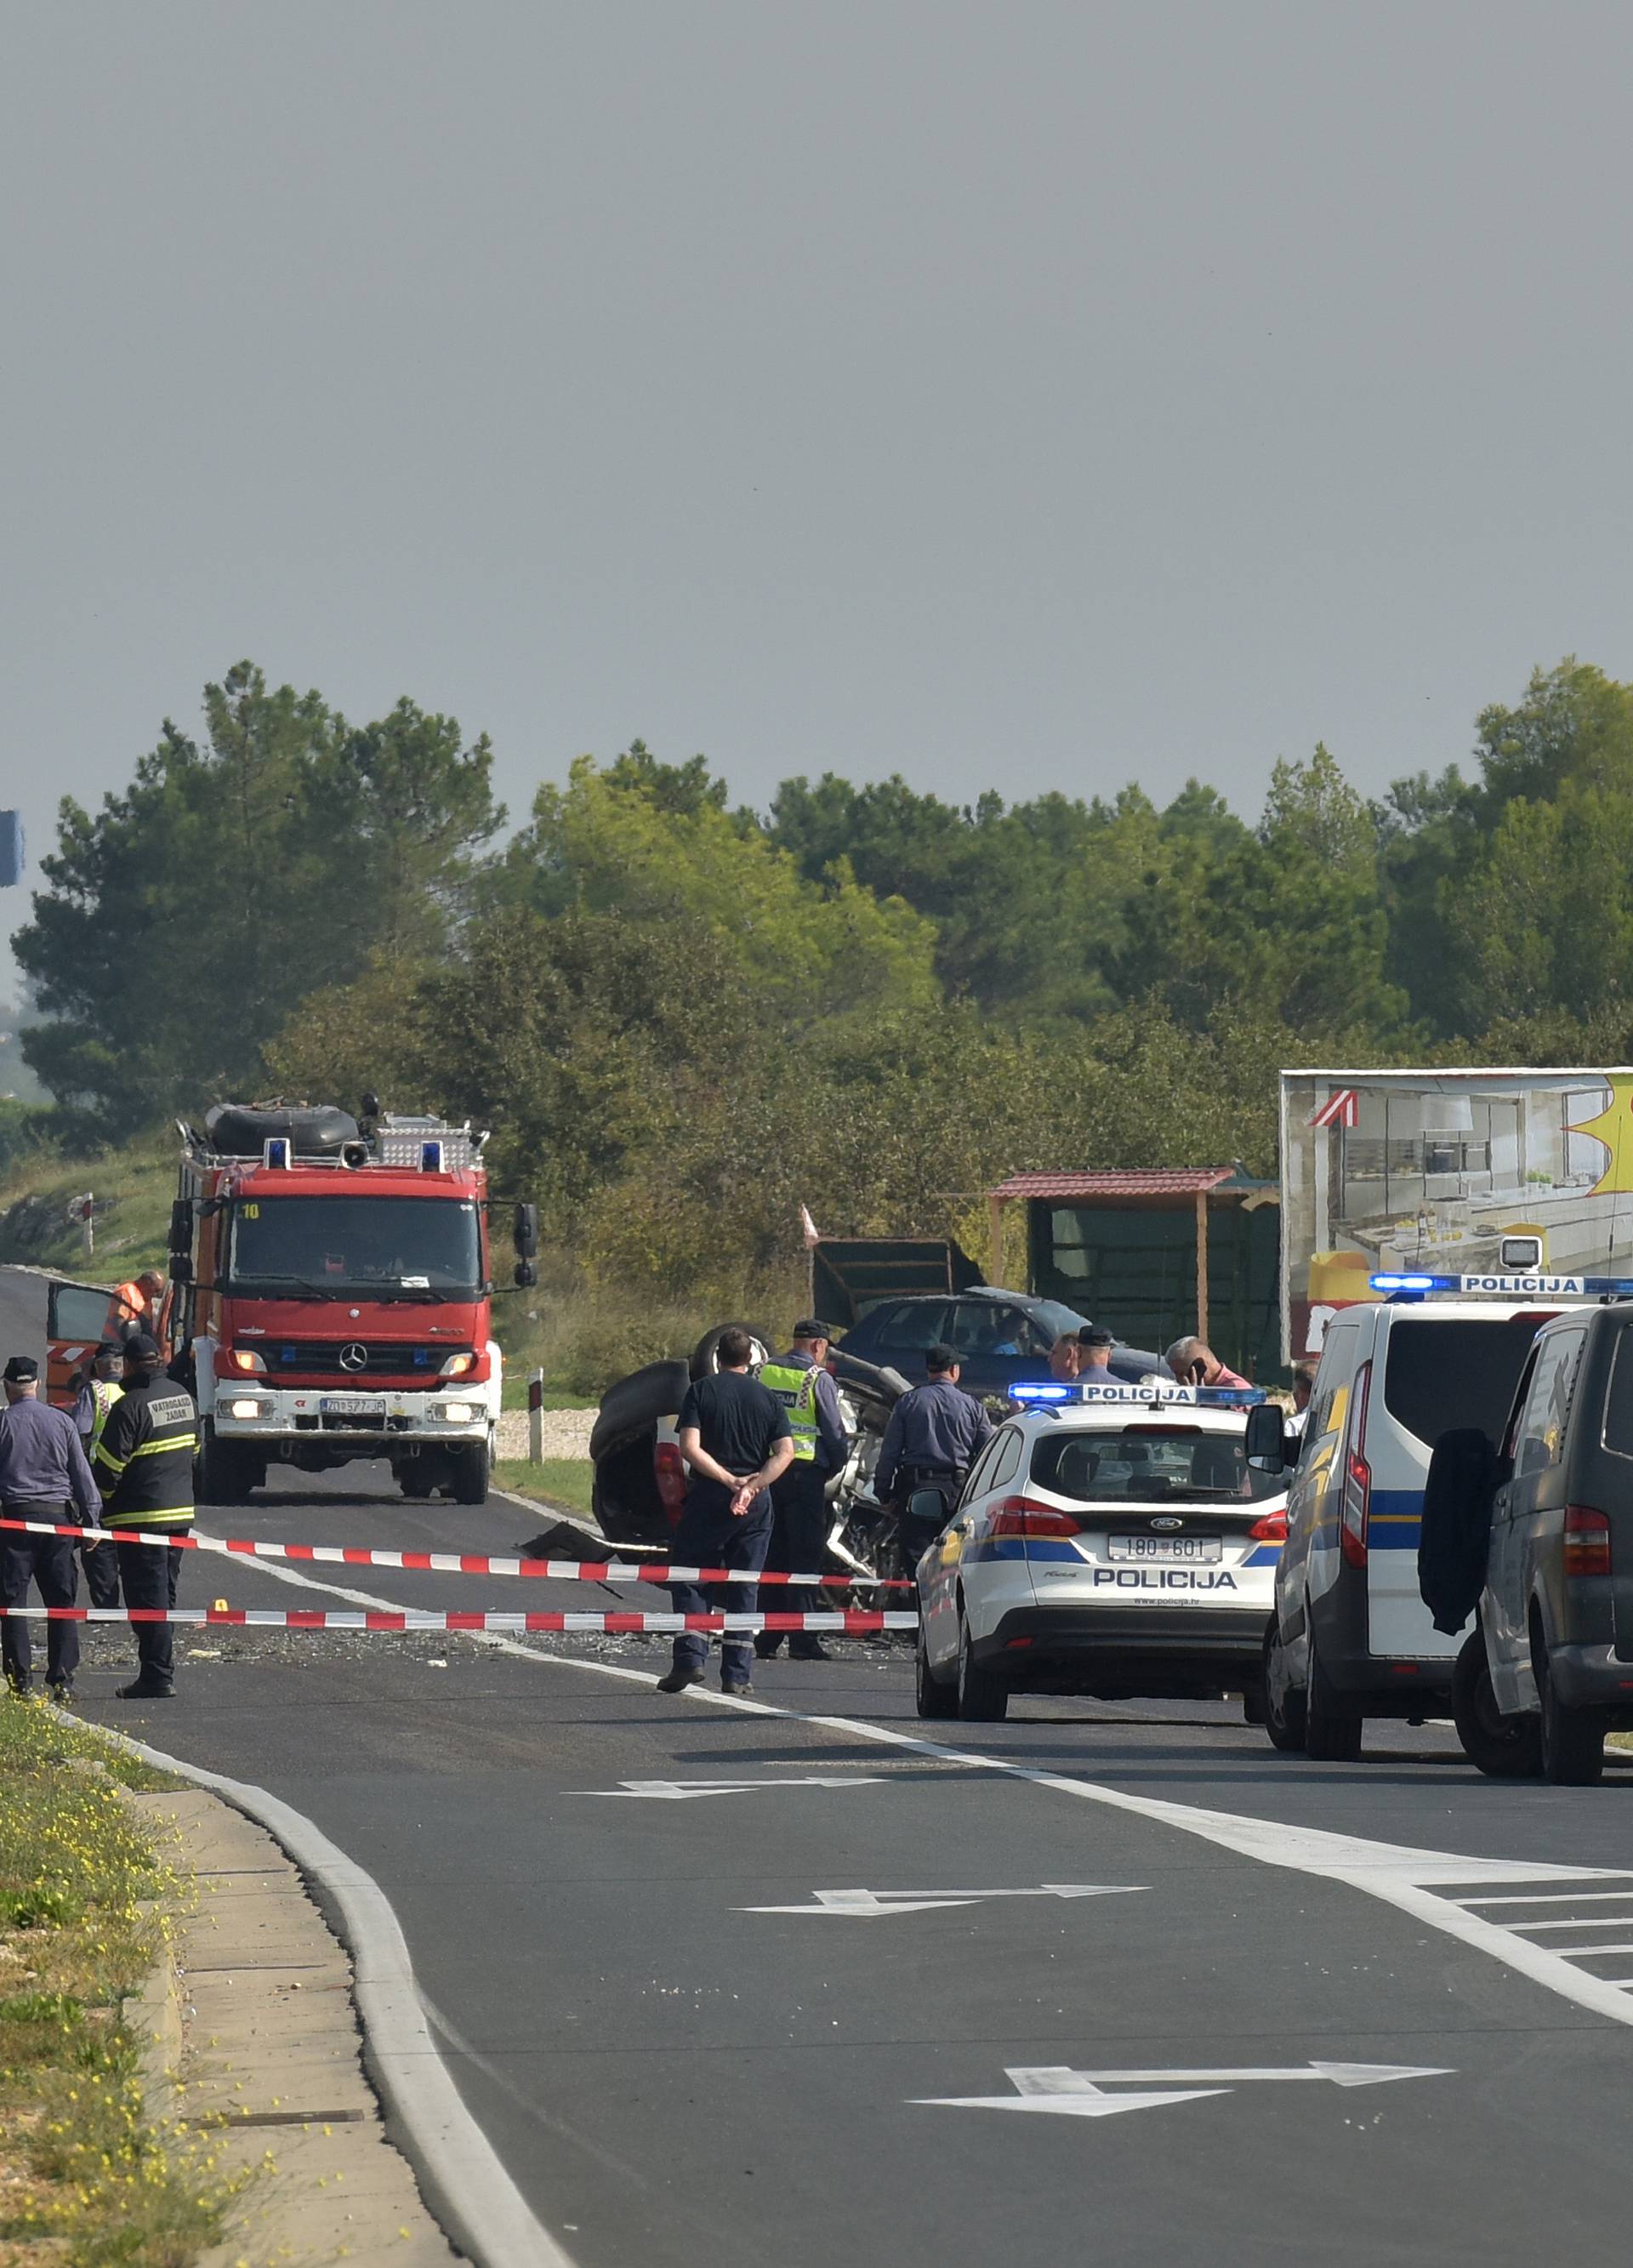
point(563, 1482)
point(87, 2178)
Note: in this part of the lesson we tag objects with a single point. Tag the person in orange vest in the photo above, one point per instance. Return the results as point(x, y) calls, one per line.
point(135, 1304)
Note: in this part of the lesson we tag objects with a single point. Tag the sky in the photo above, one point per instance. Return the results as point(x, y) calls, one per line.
point(1026, 396)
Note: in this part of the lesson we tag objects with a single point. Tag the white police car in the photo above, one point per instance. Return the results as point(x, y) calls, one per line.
point(1110, 1540)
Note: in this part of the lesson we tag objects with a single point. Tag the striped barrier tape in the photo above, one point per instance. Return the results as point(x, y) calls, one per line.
point(852, 1622)
point(456, 1563)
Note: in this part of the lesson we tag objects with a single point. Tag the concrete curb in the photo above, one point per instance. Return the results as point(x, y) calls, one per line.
point(460, 2174)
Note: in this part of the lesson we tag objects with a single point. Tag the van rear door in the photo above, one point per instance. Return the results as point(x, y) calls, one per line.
point(75, 1325)
point(1440, 1371)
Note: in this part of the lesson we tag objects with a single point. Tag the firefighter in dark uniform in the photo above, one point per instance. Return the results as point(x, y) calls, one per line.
point(143, 1467)
point(99, 1390)
point(932, 1439)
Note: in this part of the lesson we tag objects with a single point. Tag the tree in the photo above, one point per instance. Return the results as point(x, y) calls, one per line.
point(180, 926)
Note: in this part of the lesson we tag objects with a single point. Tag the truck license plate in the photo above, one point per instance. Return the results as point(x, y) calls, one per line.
point(353, 1405)
point(1169, 1548)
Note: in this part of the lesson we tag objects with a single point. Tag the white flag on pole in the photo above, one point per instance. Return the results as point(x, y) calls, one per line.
point(808, 1228)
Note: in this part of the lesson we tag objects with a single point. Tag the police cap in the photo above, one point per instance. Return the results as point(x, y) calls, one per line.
point(940, 1359)
point(141, 1346)
point(21, 1370)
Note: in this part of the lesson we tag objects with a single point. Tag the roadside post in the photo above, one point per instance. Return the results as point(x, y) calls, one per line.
point(535, 1416)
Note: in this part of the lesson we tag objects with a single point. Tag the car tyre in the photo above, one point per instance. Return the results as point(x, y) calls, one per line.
point(1332, 1723)
point(705, 1355)
point(1283, 1702)
point(1572, 1740)
point(1502, 1747)
point(934, 1699)
point(982, 1698)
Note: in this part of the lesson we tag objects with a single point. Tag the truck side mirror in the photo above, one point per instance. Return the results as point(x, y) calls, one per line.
point(182, 1268)
point(527, 1275)
point(526, 1233)
point(181, 1227)
point(1267, 1443)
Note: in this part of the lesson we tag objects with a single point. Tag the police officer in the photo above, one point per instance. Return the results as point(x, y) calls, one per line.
point(44, 1476)
point(736, 1439)
point(143, 1467)
point(99, 1390)
point(1094, 1346)
point(935, 1433)
point(803, 1386)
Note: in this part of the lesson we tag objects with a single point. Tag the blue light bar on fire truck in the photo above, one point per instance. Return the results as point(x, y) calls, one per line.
point(1143, 1391)
point(1510, 1287)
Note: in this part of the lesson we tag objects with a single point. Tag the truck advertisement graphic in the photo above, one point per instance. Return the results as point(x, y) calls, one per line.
point(1432, 1170)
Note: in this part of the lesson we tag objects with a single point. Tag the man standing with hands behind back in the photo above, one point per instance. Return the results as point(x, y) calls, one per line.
point(735, 1437)
point(43, 1477)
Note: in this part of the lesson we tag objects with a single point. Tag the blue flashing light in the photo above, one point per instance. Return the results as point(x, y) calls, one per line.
point(1050, 1392)
point(276, 1152)
point(1416, 1283)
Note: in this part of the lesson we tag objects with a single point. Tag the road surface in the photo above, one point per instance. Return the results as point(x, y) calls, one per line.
point(743, 1983)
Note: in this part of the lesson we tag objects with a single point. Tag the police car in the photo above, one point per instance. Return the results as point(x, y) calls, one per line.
point(1110, 1540)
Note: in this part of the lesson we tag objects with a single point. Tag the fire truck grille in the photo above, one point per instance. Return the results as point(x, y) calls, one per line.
point(371, 1359)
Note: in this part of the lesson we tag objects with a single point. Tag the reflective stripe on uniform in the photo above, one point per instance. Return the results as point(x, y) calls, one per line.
point(170, 1442)
point(173, 1518)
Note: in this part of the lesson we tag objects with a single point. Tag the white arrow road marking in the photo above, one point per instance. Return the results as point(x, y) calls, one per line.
point(1057, 2090)
point(1339, 2074)
point(870, 1905)
point(682, 1791)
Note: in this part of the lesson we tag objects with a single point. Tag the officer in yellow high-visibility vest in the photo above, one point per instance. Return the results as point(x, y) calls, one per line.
point(99, 1390)
point(804, 1388)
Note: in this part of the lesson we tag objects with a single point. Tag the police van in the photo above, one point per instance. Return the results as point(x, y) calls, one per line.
point(1351, 1636)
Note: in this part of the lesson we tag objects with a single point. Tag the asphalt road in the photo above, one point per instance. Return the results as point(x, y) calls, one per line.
point(671, 2072)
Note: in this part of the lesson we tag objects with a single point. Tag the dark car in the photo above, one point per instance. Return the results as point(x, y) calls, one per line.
point(1538, 1527)
point(1000, 1337)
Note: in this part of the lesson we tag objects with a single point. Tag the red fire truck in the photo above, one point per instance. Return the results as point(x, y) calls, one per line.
point(332, 1285)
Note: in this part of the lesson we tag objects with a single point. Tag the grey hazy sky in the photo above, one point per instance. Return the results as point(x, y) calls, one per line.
point(1024, 396)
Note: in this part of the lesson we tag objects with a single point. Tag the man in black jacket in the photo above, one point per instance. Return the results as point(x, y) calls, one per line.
point(143, 1467)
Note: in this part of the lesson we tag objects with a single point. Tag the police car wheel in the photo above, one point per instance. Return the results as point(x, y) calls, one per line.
point(1283, 1702)
point(982, 1698)
point(1332, 1723)
point(1572, 1740)
point(934, 1699)
point(1502, 1747)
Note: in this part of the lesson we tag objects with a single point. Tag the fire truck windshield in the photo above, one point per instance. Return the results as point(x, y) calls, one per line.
point(378, 1246)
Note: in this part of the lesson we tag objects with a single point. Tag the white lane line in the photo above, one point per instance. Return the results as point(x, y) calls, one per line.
point(466, 2186)
point(1423, 1884)
point(1577, 1921)
point(1546, 1898)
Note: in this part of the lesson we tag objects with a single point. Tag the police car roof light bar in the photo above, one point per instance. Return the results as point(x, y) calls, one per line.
point(1508, 1287)
point(1141, 1392)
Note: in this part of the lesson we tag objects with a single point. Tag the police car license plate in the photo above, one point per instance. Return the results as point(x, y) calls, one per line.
point(1206, 1549)
point(353, 1405)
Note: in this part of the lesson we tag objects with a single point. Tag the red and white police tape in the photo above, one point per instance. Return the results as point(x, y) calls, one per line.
point(849, 1623)
point(454, 1563)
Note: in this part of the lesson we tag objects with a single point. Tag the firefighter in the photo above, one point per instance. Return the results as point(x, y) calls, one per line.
point(99, 1390)
point(803, 1386)
point(135, 1304)
point(143, 1467)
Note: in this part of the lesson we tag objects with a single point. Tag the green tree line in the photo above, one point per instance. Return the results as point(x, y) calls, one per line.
point(684, 1020)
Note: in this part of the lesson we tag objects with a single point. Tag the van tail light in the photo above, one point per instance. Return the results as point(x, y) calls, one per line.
point(1271, 1529)
point(670, 1467)
point(1024, 1515)
point(1587, 1541)
point(1357, 1481)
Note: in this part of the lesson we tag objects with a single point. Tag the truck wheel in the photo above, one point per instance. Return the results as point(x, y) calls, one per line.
point(1283, 1702)
point(934, 1699)
point(472, 1468)
point(1573, 1739)
point(219, 1476)
point(1332, 1723)
point(982, 1698)
point(1502, 1747)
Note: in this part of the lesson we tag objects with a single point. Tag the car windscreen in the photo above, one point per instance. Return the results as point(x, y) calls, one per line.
point(1460, 1372)
point(1145, 1463)
point(355, 1244)
point(1057, 1319)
